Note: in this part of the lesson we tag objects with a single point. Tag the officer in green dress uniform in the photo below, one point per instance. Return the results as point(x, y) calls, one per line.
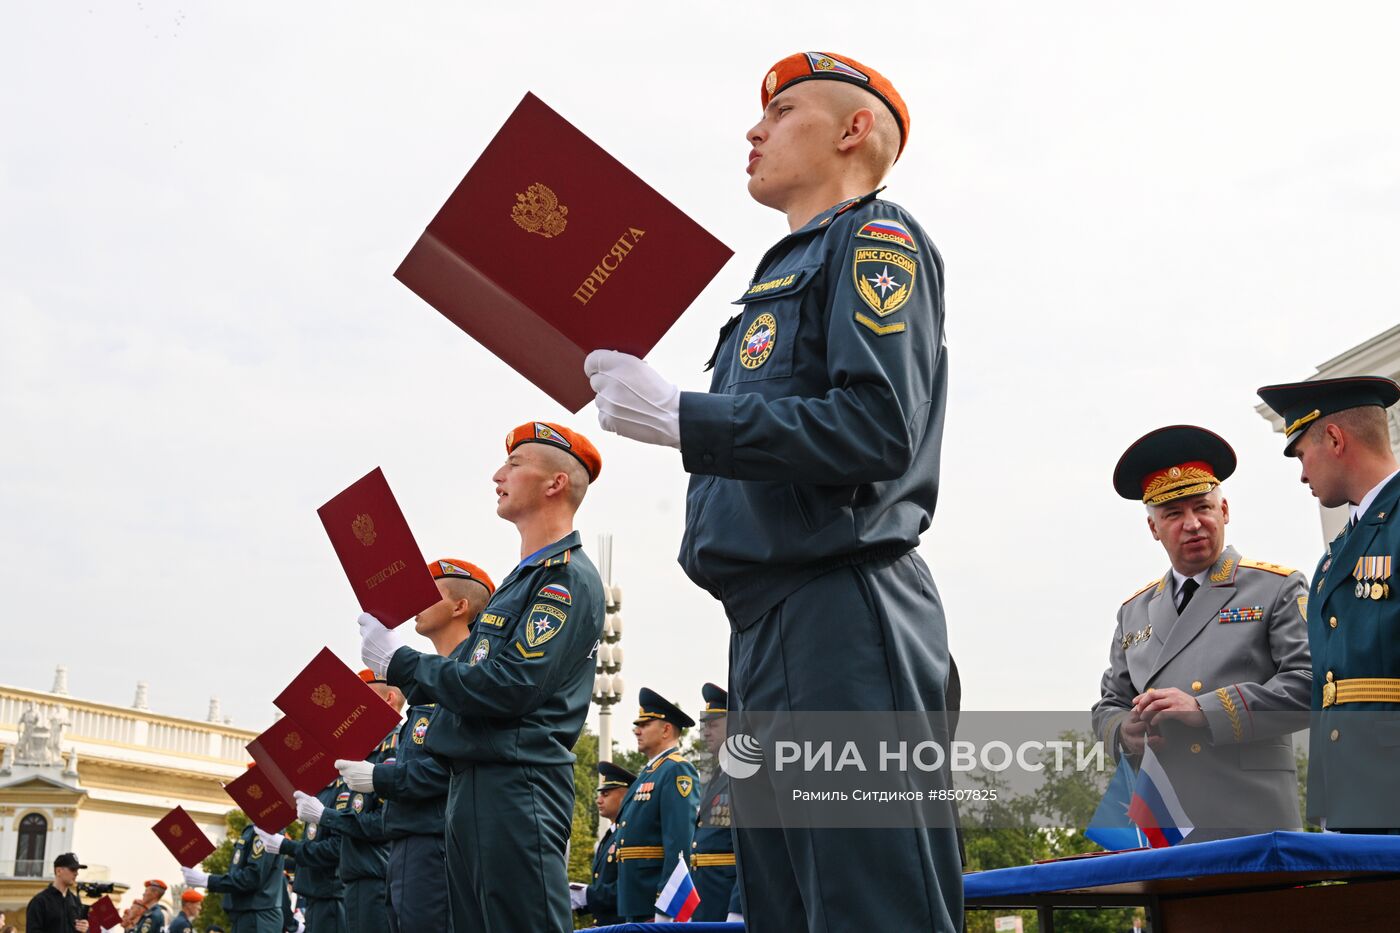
point(657, 824)
point(815, 464)
point(513, 698)
point(412, 784)
point(712, 852)
point(318, 886)
point(599, 896)
point(1339, 432)
point(252, 886)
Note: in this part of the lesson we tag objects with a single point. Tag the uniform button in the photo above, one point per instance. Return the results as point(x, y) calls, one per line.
point(1195, 748)
point(695, 845)
point(1329, 677)
point(1196, 686)
point(1332, 621)
point(1335, 735)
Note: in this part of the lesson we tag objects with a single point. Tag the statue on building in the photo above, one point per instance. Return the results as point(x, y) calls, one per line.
point(39, 744)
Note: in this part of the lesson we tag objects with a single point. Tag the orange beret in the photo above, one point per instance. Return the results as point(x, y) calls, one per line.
point(156, 883)
point(368, 677)
point(556, 435)
point(454, 569)
point(191, 896)
point(805, 66)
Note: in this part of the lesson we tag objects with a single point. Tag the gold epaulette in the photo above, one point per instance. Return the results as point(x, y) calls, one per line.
point(676, 756)
point(1141, 591)
point(1265, 565)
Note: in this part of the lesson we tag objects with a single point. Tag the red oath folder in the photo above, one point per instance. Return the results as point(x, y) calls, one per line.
point(377, 551)
point(292, 759)
point(550, 248)
point(185, 840)
point(258, 797)
point(103, 914)
point(337, 709)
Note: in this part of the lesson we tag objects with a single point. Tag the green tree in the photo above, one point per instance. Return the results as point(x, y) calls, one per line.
point(584, 835)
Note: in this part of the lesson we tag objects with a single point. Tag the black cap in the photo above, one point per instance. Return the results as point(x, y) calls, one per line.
point(68, 860)
point(716, 702)
point(612, 775)
point(1171, 463)
point(655, 706)
point(1299, 404)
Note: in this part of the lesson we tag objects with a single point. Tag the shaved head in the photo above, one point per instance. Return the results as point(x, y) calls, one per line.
point(878, 150)
point(561, 461)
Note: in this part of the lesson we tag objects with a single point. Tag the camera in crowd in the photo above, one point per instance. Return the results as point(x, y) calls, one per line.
point(96, 888)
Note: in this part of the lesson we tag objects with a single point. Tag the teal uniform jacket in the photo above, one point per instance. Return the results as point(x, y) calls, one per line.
point(655, 830)
point(818, 443)
point(254, 877)
point(712, 853)
point(517, 690)
point(152, 921)
point(318, 854)
point(410, 787)
point(364, 852)
point(602, 890)
point(1354, 758)
point(181, 924)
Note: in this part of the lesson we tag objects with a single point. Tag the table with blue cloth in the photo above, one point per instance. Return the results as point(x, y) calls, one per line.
point(667, 928)
point(1271, 881)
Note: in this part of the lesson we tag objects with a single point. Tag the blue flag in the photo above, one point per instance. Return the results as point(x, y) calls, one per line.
point(1110, 826)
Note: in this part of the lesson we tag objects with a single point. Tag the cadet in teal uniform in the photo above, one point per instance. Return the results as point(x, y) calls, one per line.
point(712, 852)
point(814, 462)
point(1338, 430)
point(511, 706)
point(599, 896)
point(318, 886)
point(252, 886)
point(413, 784)
point(191, 903)
point(657, 822)
point(364, 847)
point(153, 919)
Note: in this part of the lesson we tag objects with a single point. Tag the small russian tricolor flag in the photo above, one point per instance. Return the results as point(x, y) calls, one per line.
point(678, 899)
point(1154, 807)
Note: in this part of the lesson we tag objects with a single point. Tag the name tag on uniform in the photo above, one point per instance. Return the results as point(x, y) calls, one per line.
point(1242, 614)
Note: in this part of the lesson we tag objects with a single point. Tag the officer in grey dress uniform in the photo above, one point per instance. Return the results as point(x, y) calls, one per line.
point(1209, 661)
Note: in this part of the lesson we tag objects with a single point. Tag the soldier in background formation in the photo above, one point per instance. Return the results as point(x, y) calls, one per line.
point(712, 851)
point(147, 915)
point(1338, 431)
point(252, 887)
point(599, 896)
point(1206, 658)
point(191, 903)
point(318, 885)
point(657, 824)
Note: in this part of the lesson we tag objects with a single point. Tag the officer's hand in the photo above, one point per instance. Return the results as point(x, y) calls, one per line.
point(633, 400)
point(309, 809)
point(358, 775)
point(272, 842)
point(194, 878)
point(80, 925)
point(578, 896)
point(1169, 703)
point(377, 644)
point(1133, 735)
point(734, 918)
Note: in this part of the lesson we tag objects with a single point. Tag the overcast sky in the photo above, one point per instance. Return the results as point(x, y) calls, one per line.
point(1146, 212)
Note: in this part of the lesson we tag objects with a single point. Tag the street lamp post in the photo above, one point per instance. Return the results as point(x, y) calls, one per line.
point(607, 679)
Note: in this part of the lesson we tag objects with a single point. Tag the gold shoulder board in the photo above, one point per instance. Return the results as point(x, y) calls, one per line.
point(1265, 565)
point(1141, 591)
point(676, 756)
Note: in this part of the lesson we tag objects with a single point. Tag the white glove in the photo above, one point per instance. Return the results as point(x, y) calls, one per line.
point(633, 400)
point(734, 918)
point(309, 809)
point(271, 841)
point(662, 918)
point(377, 644)
point(578, 896)
point(358, 775)
point(194, 878)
